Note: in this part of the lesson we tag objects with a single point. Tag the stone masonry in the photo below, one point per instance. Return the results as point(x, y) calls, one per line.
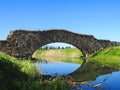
point(22, 43)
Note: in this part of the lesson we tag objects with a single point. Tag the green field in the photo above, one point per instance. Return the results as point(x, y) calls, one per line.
point(68, 52)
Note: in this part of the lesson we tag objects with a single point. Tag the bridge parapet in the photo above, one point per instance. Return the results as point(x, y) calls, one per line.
point(105, 43)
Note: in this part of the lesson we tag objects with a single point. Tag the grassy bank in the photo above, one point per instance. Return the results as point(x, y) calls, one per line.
point(15, 74)
point(20, 75)
point(26, 66)
point(109, 57)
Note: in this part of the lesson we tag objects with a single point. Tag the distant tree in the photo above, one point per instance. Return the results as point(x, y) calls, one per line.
point(68, 47)
point(46, 47)
point(51, 47)
point(58, 47)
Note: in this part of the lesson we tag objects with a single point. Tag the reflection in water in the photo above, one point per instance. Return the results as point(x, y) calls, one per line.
point(76, 60)
point(84, 76)
point(89, 72)
point(56, 68)
point(53, 66)
point(103, 82)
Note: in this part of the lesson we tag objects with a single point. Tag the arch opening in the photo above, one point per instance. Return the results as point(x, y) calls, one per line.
point(58, 51)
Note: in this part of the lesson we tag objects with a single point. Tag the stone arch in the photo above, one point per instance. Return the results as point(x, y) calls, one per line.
point(23, 43)
point(57, 40)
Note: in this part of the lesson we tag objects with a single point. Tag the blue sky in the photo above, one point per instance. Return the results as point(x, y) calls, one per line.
point(100, 18)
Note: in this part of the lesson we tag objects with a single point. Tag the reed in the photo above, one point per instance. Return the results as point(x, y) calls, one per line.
point(62, 55)
point(20, 75)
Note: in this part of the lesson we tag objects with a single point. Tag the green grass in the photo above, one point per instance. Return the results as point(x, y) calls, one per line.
point(65, 55)
point(15, 74)
point(25, 65)
point(68, 52)
point(109, 57)
point(20, 75)
point(71, 52)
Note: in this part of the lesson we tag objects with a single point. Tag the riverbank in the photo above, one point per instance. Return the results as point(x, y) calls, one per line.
point(15, 74)
point(21, 75)
point(109, 57)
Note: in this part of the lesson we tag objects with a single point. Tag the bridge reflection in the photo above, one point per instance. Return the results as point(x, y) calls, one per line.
point(89, 71)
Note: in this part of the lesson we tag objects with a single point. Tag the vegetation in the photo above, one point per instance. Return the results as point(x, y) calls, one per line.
point(24, 65)
point(14, 74)
point(108, 57)
point(53, 47)
point(68, 52)
point(21, 75)
point(58, 54)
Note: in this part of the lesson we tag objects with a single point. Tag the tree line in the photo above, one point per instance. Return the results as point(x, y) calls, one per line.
point(52, 47)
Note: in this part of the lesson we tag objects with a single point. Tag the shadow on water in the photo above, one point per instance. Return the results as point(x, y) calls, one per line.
point(89, 71)
point(92, 76)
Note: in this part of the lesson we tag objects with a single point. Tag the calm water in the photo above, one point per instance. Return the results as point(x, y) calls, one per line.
point(56, 68)
point(103, 82)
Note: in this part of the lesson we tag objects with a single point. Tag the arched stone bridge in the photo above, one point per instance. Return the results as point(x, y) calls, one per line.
point(22, 43)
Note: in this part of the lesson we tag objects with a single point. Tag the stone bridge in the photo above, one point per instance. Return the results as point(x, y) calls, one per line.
point(22, 43)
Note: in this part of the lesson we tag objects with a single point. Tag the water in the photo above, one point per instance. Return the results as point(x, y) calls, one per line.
point(102, 82)
point(56, 68)
point(88, 71)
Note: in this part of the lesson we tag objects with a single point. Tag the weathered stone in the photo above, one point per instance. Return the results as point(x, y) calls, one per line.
point(23, 43)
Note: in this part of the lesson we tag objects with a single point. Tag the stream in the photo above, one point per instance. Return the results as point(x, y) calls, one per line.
point(99, 77)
